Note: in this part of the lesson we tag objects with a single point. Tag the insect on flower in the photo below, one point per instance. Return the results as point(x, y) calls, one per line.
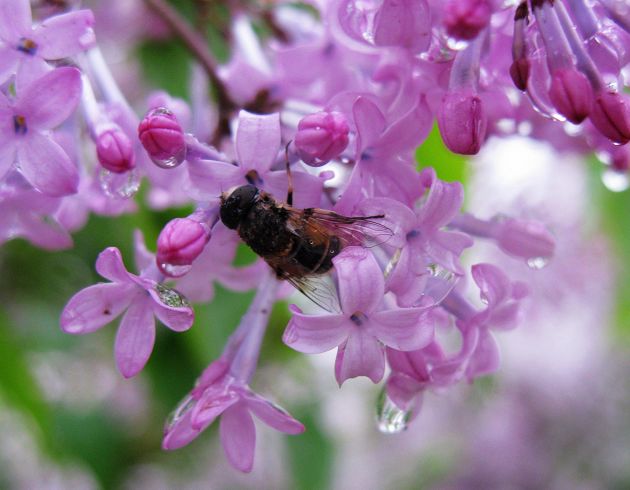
point(298, 244)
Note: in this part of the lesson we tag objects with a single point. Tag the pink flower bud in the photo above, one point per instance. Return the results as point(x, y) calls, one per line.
point(114, 149)
point(610, 115)
point(526, 239)
point(464, 19)
point(179, 244)
point(571, 94)
point(162, 137)
point(462, 121)
point(321, 137)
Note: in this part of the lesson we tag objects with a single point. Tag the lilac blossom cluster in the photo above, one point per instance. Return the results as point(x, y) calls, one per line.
point(344, 98)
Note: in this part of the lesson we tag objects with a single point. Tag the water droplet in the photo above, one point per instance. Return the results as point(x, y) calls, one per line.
point(390, 418)
point(441, 282)
point(392, 263)
point(537, 262)
point(119, 185)
point(183, 407)
point(170, 162)
point(171, 297)
point(172, 270)
point(615, 181)
point(456, 44)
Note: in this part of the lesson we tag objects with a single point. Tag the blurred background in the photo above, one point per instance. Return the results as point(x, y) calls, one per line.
point(556, 416)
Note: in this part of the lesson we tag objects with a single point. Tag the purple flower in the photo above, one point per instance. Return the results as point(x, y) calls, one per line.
point(572, 94)
point(363, 326)
point(464, 19)
point(162, 137)
point(257, 146)
point(462, 121)
point(24, 131)
point(180, 242)
point(142, 297)
point(114, 149)
point(56, 38)
point(218, 394)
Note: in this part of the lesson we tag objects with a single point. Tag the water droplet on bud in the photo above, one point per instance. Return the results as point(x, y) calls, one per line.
point(171, 297)
point(172, 270)
point(119, 185)
point(615, 181)
point(390, 418)
point(537, 262)
point(169, 163)
point(441, 282)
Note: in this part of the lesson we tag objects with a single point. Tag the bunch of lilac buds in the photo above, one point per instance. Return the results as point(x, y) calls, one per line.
point(341, 94)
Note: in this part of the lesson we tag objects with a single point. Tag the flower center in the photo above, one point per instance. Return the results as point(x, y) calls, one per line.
point(19, 124)
point(253, 178)
point(27, 46)
point(358, 318)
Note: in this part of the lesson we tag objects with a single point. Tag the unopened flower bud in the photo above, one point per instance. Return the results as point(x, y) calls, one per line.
point(464, 19)
point(321, 137)
point(462, 121)
point(162, 137)
point(114, 149)
point(571, 94)
point(526, 239)
point(611, 116)
point(180, 242)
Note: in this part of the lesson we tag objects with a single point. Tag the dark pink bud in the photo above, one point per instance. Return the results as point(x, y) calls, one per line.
point(462, 122)
point(464, 19)
point(114, 149)
point(527, 239)
point(519, 71)
point(162, 137)
point(610, 115)
point(321, 137)
point(571, 94)
point(179, 244)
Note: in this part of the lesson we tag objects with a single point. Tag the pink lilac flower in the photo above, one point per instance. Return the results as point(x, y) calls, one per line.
point(363, 327)
point(25, 125)
point(141, 298)
point(29, 47)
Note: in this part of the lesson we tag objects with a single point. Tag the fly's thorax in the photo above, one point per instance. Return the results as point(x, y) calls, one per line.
point(264, 227)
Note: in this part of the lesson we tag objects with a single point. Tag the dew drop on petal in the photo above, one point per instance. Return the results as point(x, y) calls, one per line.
point(171, 297)
point(119, 185)
point(390, 418)
point(172, 270)
point(615, 181)
point(441, 282)
point(537, 262)
point(184, 406)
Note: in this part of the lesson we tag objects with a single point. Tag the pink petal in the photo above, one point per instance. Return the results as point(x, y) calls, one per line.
point(135, 337)
point(370, 123)
point(109, 264)
point(94, 307)
point(442, 204)
point(398, 217)
point(238, 437)
point(46, 166)
point(405, 23)
point(492, 282)
point(207, 179)
point(307, 188)
point(15, 19)
point(7, 155)
point(51, 99)
point(65, 35)
point(142, 257)
point(360, 355)
point(257, 140)
point(273, 415)
point(313, 334)
point(178, 319)
point(29, 70)
point(180, 434)
point(215, 400)
point(8, 61)
point(486, 357)
point(403, 329)
point(43, 231)
point(361, 283)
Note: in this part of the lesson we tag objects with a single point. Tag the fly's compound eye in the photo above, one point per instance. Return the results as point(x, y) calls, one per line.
point(237, 204)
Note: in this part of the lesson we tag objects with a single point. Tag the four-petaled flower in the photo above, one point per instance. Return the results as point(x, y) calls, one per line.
point(142, 297)
point(364, 327)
